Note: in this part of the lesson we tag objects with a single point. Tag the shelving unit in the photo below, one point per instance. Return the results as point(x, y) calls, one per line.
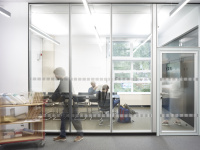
point(34, 123)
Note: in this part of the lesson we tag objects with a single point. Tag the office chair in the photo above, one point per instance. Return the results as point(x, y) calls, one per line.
point(93, 102)
point(55, 113)
point(81, 101)
point(104, 104)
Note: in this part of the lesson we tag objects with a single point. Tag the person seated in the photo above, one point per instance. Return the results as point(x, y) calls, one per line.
point(92, 90)
point(104, 98)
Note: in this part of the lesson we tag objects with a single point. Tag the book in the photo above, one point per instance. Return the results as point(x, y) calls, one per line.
point(4, 101)
point(7, 134)
point(27, 131)
point(18, 133)
point(21, 116)
point(18, 99)
point(7, 119)
point(8, 98)
point(12, 99)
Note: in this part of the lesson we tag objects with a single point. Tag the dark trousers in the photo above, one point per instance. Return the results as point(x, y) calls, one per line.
point(65, 121)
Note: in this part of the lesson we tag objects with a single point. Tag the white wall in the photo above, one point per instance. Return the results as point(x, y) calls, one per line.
point(135, 99)
point(14, 48)
point(175, 26)
point(36, 62)
point(62, 53)
point(88, 62)
point(48, 65)
point(14, 51)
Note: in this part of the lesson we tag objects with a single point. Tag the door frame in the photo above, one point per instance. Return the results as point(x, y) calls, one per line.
point(196, 85)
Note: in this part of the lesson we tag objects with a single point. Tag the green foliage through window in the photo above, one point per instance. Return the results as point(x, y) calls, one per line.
point(141, 65)
point(141, 76)
point(122, 65)
point(141, 87)
point(121, 48)
point(122, 76)
point(118, 87)
point(143, 51)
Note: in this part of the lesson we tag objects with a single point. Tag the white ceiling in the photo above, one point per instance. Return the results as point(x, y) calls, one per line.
point(128, 20)
point(101, 1)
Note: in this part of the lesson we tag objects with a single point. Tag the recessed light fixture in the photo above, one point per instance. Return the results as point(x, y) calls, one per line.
point(5, 12)
point(43, 34)
point(178, 7)
point(85, 3)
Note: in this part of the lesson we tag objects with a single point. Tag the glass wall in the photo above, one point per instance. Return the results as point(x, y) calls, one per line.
point(131, 61)
point(49, 49)
point(79, 41)
point(90, 34)
point(90, 62)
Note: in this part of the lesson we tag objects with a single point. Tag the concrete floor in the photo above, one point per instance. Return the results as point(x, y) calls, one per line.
point(142, 122)
point(114, 142)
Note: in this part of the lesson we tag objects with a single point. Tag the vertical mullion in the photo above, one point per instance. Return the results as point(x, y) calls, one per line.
point(29, 51)
point(131, 71)
point(154, 69)
point(111, 79)
point(70, 69)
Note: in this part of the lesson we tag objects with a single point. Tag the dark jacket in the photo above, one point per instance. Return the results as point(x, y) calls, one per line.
point(62, 91)
point(103, 100)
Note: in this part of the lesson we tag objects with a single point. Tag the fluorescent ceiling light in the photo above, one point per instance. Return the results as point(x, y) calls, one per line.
point(43, 34)
point(149, 37)
point(85, 3)
point(178, 7)
point(5, 12)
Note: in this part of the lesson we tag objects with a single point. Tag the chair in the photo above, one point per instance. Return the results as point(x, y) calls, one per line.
point(86, 97)
point(81, 101)
point(55, 113)
point(104, 104)
point(93, 102)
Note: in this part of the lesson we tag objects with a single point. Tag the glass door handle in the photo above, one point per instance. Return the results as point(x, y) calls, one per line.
point(161, 95)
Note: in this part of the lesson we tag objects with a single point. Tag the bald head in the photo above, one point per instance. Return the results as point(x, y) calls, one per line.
point(93, 84)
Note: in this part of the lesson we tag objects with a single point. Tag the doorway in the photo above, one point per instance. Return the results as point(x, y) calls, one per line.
point(177, 91)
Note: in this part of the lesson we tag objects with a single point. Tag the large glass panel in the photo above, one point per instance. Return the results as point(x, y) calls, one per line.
point(178, 92)
point(90, 37)
point(131, 26)
point(122, 65)
point(180, 29)
point(121, 48)
point(49, 49)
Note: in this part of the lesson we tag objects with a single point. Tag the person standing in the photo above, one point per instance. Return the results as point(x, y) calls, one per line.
point(61, 95)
